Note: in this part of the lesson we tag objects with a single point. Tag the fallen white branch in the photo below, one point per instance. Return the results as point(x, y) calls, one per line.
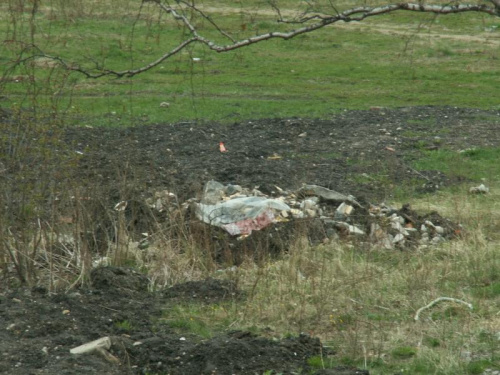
point(102, 343)
point(437, 300)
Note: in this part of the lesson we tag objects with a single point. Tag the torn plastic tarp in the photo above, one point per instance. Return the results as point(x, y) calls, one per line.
point(242, 215)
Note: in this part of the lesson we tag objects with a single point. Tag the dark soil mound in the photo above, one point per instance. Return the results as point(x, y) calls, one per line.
point(121, 279)
point(40, 329)
point(208, 290)
point(233, 353)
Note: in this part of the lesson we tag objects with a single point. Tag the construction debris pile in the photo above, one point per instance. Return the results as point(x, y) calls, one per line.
point(240, 211)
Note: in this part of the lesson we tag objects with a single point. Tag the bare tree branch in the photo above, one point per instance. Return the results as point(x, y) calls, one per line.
point(209, 19)
point(310, 23)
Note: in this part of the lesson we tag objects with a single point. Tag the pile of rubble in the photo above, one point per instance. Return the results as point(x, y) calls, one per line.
point(240, 211)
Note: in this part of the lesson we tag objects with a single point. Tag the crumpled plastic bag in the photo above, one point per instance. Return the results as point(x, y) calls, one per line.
point(242, 215)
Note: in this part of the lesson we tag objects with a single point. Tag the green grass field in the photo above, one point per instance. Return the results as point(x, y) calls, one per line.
point(395, 60)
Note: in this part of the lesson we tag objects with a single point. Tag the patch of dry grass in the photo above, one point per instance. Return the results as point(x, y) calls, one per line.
point(362, 302)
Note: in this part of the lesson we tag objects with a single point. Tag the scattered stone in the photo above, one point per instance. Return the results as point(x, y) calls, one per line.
point(438, 229)
point(308, 204)
point(121, 206)
point(233, 189)
point(240, 211)
point(343, 211)
point(351, 229)
point(481, 189)
point(398, 238)
point(310, 213)
point(164, 104)
point(324, 193)
point(213, 192)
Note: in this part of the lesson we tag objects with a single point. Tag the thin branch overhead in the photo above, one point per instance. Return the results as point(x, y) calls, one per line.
point(307, 23)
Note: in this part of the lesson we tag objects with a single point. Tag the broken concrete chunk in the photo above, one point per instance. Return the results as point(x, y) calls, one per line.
point(297, 214)
point(429, 224)
point(481, 189)
point(102, 343)
point(438, 229)
point(310, 213)
point(343, 211)
point(308, 204)
point(233, 189)
point(350, 228)
point(397, 219)
point(323, 193)
point(355, 230)
point(398, 238)
point(212, 193)
point(396, 225)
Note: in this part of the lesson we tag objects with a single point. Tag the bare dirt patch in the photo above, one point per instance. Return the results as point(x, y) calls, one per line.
point(333, 153)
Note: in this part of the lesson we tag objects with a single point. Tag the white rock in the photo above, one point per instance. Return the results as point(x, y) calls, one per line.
point(398, 238)
point(102, 343)
point(429, 224)
point(297, 214)
point(310, 213)
point(397, 219)
point(481, 189)
point(345, 209)
point(355, 230)
point(438, 229)
point(307, 204)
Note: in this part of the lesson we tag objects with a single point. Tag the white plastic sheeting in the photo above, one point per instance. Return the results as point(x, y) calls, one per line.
point(241, 215)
